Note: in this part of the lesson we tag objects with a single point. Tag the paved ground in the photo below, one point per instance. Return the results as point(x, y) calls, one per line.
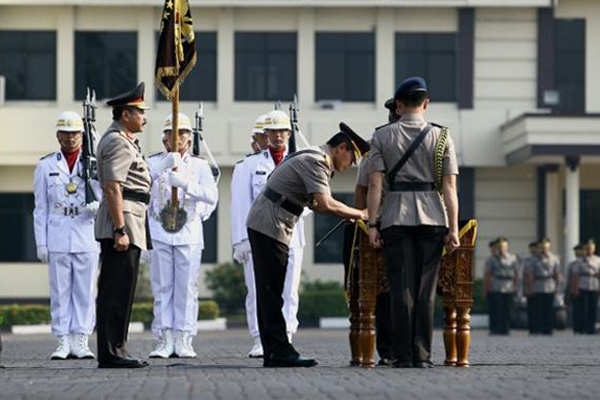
point(563, 366)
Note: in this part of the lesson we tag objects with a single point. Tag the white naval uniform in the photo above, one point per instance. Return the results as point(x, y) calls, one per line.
point(176, 257)
point(65, 226)
point(249, 179)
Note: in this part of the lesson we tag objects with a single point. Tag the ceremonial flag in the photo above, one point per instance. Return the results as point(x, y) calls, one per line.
point(176, 54)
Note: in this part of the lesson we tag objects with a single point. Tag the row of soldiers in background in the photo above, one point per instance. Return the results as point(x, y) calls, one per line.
point(68, 229)
point(538, 281)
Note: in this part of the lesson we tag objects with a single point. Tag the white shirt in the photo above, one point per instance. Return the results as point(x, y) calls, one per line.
point(249, 179)
point(199, 201)
point(61, 220)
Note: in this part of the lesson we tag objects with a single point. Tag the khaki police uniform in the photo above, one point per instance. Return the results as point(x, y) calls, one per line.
point(503, 271)
point(588, 273)
point(271, 223)
point(574, 302)
point(413, 226)
point(120, 159)
point(540, 304)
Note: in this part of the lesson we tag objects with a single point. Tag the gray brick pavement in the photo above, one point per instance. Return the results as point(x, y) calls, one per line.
point(563, 366)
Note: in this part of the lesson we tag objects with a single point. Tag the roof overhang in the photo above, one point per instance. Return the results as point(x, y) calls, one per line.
point(549, 138)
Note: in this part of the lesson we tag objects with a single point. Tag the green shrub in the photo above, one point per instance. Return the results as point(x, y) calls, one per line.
point(40, 314)
point(226, 281)
point(320, 285)
point(322, 303)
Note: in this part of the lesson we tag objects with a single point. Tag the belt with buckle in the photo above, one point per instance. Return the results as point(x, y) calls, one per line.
point(136, 196)
point(280, 200)
point(412, 187)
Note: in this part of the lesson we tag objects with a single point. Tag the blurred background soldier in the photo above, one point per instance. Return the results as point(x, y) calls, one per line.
point(177, 253)
point(64, 234)
point(575, 309)
point(260, 140)
point(249, 179)
point(541, 283)
point(586, 287)
point(500, 283)
point(121, 225)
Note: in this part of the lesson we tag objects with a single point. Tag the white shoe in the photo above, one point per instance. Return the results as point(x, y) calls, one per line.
point(63, 349)
point(257, 349)
point(183, 347)
point(289, 335)
point(165, 346)
point(79, 346)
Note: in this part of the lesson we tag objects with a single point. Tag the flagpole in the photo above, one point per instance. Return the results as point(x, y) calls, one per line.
point(174, 148)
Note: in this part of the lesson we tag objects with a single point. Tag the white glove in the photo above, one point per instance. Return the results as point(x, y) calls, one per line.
point(92, 208)
point(145, 256)
point(176, 180)
point(172, 160)
point(242, 252)
point(42, 254)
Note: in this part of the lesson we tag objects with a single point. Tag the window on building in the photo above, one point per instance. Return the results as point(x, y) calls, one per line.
point(569, 64)
point(17, 240)
point(105, 62)
point(209, 254)
point(265, 66)
point(28, 61)
point(345, 66)
point(432, 56)
point(331, 250)
point(201, 83)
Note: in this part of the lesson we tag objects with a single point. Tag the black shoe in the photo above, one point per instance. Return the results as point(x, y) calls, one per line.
point(123, 363)
point(424, 364)
point(385, 362)
point(290, 361)
point(402, 364)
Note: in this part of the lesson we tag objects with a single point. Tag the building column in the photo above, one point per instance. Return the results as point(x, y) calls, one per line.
point(225, 59)
point(572, 207)
point(65, 54)
point(384, 57)
point(306, 58)
point(552, 204)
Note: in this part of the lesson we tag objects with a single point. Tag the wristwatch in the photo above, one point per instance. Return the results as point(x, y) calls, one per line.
point(373, 225)
point(120, 230)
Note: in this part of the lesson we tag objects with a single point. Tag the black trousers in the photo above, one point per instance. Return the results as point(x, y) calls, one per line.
point(577, 312)
point(412, 255)
point(116, 287)
point(383, 326)
point(499, 309)
point(270, 259)
point(540, 313)
point(588, 309)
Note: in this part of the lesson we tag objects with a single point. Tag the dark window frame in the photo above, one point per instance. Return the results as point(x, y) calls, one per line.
point(210, 227)
point(400, 54)
point(331, 250)
point(105, 84)
point(243, 78)
point(344, 51)
point(30, 50)
point(560, 56)
point(17, 238)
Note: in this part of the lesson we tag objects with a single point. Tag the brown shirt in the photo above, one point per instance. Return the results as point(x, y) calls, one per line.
point(120, 159)
point(387, 147)
point(296, 178)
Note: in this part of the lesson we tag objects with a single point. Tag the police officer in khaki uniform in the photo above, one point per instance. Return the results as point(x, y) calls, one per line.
point(302, 180)
point(575, 309)
point(121, 225)
point(586, 287)
point(500, 284)
point(542, 276)
point(416, 220)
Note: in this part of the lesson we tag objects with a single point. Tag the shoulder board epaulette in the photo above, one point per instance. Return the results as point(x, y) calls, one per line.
point(437, 125)
point(240, 161)
point(156, 154)
point(383, 126)
point(48, 155)
point(197, 156)
point(253, 154)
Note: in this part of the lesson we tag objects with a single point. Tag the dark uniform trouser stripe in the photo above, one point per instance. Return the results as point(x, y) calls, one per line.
point(270, 259)
point(116, 288)
point(540, 312)
point(499, 308)
point(412, 255)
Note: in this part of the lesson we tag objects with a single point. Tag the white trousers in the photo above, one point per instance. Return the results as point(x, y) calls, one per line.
point(290, 293)
point(72, 292)
point(174, 272)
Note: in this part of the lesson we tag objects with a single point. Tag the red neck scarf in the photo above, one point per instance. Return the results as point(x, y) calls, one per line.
point(277, 155)
point(71, 158)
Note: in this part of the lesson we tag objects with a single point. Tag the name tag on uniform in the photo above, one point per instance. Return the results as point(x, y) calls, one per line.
point(53, 174)
point(261, 172)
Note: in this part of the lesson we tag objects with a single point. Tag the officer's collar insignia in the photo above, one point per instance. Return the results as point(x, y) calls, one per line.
point(58, 156)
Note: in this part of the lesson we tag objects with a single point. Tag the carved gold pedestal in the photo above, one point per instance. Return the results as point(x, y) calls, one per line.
point(455, 284)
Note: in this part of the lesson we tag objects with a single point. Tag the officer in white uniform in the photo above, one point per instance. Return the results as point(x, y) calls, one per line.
point(64, 234)
point(260, 140)
point(175, 259)
point(249, 179)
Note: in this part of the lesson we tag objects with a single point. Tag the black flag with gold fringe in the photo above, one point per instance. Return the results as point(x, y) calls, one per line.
point(176, 54)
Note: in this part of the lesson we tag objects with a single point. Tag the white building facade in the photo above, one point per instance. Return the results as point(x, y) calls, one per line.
point(513, 79)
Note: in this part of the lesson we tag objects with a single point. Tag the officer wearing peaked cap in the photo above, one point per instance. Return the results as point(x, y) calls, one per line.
point(302, 180)
point(585, 288)
point(260, 140)
point(419, 163)
point(574, 302)
point(121, 225)
point(64, 233)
